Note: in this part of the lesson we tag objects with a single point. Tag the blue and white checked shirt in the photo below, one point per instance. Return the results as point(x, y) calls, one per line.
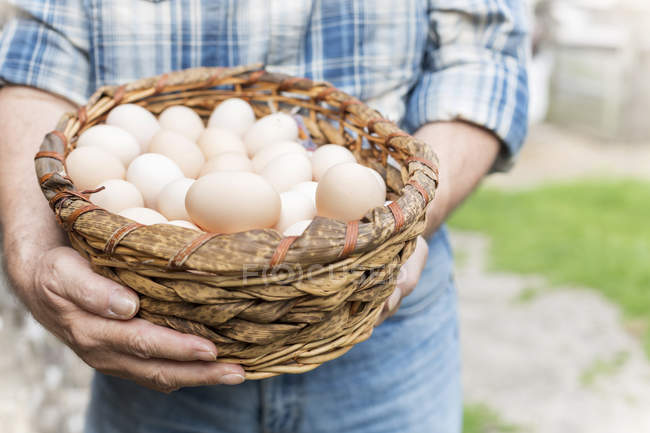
point(416, 61)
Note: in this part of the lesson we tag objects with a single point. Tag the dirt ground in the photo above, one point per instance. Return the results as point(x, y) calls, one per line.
point(559, 362)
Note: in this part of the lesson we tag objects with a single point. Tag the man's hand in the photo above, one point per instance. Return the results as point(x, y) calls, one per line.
point(90, 313)
point(408, 278)
point(466, 153)
point(94, 316)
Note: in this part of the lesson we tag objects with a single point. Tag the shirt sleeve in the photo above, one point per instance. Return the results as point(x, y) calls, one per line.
point(474, 70)
point(45, 45)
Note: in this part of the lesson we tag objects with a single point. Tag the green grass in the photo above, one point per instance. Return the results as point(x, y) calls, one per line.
point(601, 368)
point(590, 233)
point(478, 418)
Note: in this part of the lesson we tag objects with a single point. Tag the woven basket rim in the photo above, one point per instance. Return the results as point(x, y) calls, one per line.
point(76, 213)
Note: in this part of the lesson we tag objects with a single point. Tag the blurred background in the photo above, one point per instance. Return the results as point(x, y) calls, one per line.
point(552, 258)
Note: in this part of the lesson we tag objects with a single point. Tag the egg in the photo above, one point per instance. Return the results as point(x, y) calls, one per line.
point(347, 191)
point(171, 199)
point(296, 229)
point(295, 207)
point(380, 180)
point(234, 115)
point(182, 120)
point(215, 141)
point(136, 120)
point(143, 215)
point(328, 156)
point(183, 223)
point(150, 172)
point(117, 195)
point(287, 170)
point(227, 162)
point(230, 202)
point(179, 149)
point(267, 154)
point(270, 129)
point(308, 189)
point(113, 140)
point(90, 166)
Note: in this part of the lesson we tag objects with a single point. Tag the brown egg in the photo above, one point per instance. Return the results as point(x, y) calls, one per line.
point(266, 155)
point(328, 156)
point(171, 199)
point(117, 195)
point(347, 191)
point(287, 170)
point(143, 215)
point(179, 149)
point(226, 162)
point(89, 166)
point(182, 120)
point(215, 141)
point(234, 201)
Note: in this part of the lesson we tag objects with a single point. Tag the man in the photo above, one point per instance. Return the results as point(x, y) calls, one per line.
point(450, 71)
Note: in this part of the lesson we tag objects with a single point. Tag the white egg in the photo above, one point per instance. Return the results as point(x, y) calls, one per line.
point(230, 202)
point(179, 149)
point(297, 229)
point(307, 188)
point(117, 195)
point(143, 215)
point(295, 207)
point(215, 141)
point(267, 154)
point(150, 173)
point(171, 199)
point(328, 156)
point(227, 162)
point(347, 191)
point(135, 120)
point(90, 166)
point(380, 180)
point(183, 223)
point(270, 129)
point(113, 140)
point(287, 170)
point(234, 115)
point(183, 120)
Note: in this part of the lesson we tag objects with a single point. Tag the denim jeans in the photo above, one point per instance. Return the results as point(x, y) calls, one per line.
point(404, 379)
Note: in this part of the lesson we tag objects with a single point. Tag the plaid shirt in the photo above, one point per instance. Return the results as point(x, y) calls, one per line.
point(416, 61)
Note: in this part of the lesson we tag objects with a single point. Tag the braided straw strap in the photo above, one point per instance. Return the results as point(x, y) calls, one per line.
point(272, 304)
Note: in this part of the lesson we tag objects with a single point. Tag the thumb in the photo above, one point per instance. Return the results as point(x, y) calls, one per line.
point(71, 277)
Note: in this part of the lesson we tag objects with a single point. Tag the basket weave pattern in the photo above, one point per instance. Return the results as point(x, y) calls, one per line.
point(273, 304)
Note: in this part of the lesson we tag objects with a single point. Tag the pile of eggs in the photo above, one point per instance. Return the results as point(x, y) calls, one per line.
point(236, 174)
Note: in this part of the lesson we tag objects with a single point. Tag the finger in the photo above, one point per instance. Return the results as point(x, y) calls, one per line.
point(391, 305)
point(167, 376)
point(68, 275)
point(142, 339)
point(412, 270)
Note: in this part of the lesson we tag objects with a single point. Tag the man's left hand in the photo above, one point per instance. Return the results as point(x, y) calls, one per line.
point(407, 279)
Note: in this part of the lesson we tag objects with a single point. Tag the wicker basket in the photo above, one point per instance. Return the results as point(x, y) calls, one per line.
point(273, 304)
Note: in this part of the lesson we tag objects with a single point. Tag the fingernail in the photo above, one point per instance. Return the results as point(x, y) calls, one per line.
point(122, 306)
point(232, 379)
point(206, 354)
point(394, 299)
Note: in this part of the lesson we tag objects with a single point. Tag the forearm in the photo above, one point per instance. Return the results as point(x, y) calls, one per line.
point(466, 153)
point(28, 227)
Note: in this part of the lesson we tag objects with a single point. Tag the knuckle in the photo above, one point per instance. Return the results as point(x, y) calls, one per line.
point(139, 344)
point(161, 380)
point(77, 338)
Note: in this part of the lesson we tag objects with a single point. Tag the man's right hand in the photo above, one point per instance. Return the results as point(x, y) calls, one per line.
point(91, 314)
point(94, 316)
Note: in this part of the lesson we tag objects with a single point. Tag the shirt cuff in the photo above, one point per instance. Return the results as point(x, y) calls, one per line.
point(490, 94)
